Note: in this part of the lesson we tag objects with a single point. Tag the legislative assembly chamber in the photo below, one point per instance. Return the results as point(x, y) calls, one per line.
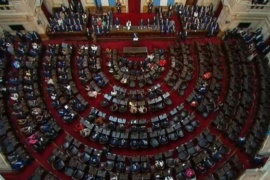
point(134, 89)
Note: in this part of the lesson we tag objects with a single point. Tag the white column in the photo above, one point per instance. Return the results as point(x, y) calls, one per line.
point(224, 19)
point(41, 22)
point(49, 5)
point(65, 3)
point(143, 3)
point(125, 2)
point(83, 4)
point(200, 2)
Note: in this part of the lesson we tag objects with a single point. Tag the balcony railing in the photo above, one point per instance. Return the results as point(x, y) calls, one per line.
point(258, 8)
point(6, 8)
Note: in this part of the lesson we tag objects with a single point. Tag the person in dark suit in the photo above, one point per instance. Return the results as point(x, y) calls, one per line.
point(20, 35)
point(184, 34)
point(135, 37)
point(118, 6)
point(150, 6)
point(160, 9)
point(141, 24)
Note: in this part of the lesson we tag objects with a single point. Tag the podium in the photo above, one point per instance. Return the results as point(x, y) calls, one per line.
point(135, 39)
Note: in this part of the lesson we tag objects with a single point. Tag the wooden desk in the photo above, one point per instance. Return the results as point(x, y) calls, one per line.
point(135, 51)
point(75, 35)
point(135, 29)
point(108, 8)
point(199, 33)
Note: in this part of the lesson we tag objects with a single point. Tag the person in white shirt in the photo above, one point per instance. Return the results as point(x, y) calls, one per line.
point(128, 25)
point(195, 14)
point(14, 96)
point(113, 92)
point(142, 109)
point(150, 56)
point(94, 47)
point(85, 132)
point(60, 22)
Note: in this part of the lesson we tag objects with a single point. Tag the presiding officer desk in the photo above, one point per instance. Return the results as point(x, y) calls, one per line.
point(135, 51)
point(134, 29)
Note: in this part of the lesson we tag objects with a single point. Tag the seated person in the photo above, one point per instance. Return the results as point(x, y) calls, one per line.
point(93, 94)
point(194, 103)
point(95, 160)
point(162, 62)
point(97, 77)
point(36, 111)
point(150, 57)
point(99, 121)
point(200, 168)
point(85, 132)
point(40, 119)
point(207, 75)
point(142, 109)
point(252, 56)
point(62, 78)
point(101, 83)
point(133, 110)
point(108, 52)
point(140, 96)
point(14, 96)
point(63, 112)
point(32, 139)
point(159, 164)
point(27, 130)
point(124, 80)
point(135, 167)
point(114, 107)
point(113, 92)
point(203, 90)
point(190, 173)
point(46, 127)
point(35, 46)
point(21, 122)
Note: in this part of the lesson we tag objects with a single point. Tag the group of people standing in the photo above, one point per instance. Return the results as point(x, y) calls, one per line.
point(198, 18)
point(101, 24)
point(72, 18)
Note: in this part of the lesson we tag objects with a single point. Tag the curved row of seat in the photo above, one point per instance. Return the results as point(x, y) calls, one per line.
point(202, 153)
point(12, 149)
point(173, 133)
point(32, 117)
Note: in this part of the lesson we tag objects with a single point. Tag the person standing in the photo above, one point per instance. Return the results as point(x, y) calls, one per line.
point(184, 34)
point(10, 48)
point(94, 38)
point(128, 25)
point(150, 6)
point(118, 6)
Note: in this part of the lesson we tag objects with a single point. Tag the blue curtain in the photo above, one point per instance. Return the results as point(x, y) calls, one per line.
point(156, 2)
point(112, 2)
point(170, 2)
point(99, 3)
